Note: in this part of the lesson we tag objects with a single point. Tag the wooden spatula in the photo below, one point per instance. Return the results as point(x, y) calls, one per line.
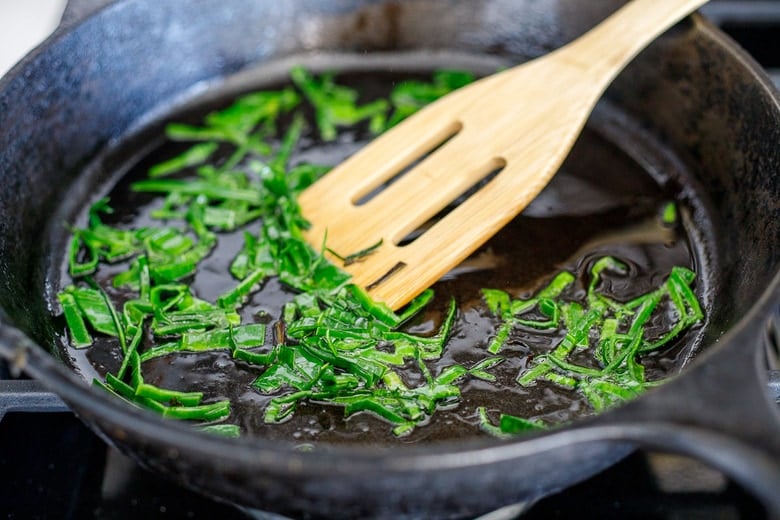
point(522, 121)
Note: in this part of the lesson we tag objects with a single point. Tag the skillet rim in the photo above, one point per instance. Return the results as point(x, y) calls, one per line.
point(281, 456)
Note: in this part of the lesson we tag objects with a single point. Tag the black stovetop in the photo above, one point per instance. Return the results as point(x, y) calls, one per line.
point(51, 466)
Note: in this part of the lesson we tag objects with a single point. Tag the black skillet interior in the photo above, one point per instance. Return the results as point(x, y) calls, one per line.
point(96, 81)
point(605, 201)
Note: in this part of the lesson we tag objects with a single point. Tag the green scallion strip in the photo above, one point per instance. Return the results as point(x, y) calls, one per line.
point(196, 155)
point(223, 430)
point(204, 412)
point(509, 425)
point(79, 335)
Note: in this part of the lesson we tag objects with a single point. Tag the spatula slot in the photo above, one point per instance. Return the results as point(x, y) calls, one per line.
point(376, 283)
point(413, 157)
point(493, 168)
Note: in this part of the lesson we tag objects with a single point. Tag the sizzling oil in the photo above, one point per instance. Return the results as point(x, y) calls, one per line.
point(600, 203)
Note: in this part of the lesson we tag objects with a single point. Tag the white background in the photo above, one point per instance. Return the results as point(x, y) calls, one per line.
point(24, 24)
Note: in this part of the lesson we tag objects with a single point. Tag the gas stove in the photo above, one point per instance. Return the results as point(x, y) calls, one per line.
point(51, 466)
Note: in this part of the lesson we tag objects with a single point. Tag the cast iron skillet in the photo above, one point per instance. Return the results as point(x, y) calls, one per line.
point(706, 101)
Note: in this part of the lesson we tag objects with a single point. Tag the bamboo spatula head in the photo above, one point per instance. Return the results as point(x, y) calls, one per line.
point(520, 123)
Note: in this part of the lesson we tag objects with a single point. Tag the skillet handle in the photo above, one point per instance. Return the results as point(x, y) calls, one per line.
point(719, 411)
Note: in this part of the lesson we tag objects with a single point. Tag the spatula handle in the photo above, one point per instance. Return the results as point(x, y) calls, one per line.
point(608, 47)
